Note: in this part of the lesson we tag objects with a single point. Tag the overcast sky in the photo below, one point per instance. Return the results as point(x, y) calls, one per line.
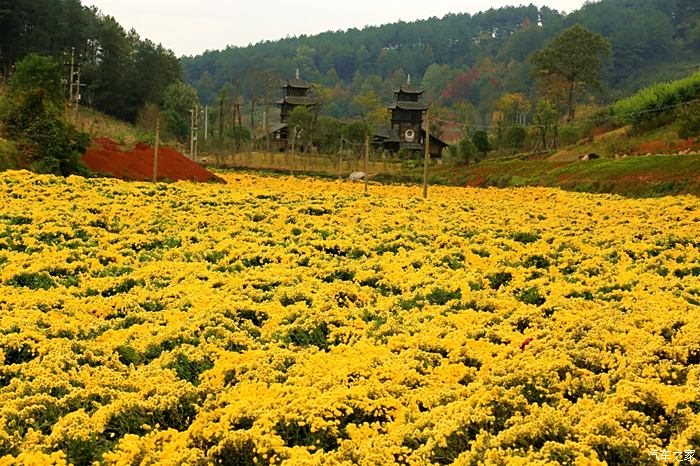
point(190, 28)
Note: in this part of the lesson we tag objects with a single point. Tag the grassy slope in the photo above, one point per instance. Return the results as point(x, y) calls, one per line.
point(616, 172)
point(624, 141)
point(636, 176)
point(8, 154)
point(100, 125)
point(90, 121)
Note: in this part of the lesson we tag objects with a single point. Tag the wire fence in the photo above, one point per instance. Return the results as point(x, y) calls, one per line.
point(333, 165)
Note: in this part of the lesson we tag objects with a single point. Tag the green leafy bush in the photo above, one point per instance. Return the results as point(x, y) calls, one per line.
point(653, 101)
point(481, 141)
point(568, 134)
point(514, 137)
point(31, 115)
point(689, 121)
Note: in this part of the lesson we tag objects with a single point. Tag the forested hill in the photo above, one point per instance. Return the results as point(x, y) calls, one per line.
point(462, 57)
point(120, 70)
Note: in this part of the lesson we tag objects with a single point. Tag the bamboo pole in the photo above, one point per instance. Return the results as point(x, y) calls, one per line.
point(294, 139)
point(426, 159)
point(155, 151)
point(366, 162)
point(340, 160)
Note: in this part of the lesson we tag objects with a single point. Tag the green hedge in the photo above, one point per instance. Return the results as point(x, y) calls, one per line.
point(658, 99)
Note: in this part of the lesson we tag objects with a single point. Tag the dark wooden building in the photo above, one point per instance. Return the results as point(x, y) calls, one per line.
point(406, 131)
point(407, 116)
point(296, 93)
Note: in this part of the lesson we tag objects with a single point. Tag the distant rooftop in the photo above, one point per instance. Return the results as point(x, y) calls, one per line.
point(409, 106)
point(297, 82)
point(298, 100)
point(408, 88)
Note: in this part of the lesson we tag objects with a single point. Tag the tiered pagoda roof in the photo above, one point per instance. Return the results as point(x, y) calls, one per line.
point(408, 105)
point(408, 88)
point(406, 131)
point(297, 100)
point(296, 93)
point(297, 83)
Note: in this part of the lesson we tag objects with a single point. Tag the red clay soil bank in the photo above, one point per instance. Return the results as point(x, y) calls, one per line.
point(108, 157)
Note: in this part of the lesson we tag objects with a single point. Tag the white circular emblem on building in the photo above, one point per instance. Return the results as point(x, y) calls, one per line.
point(410, 135)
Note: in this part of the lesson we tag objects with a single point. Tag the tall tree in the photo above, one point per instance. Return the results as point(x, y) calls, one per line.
point(179, 99)
point(370, 110)
point(513, 108)
point(301, 122)
point(436, 80)
point(576, 55)
point(154, 69)
point(263, 83)
point(481, 141)
point(32, 114)
point(545, 119)
point(38, 72)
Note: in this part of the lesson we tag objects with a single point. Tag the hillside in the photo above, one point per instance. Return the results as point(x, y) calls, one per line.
point(120, 70)
point(100, 125)
point(647, 176)
point(651, 40)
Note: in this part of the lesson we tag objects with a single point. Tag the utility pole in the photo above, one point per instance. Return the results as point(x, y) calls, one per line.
point(74, 87)
point(77, 95)
point(206, 122)
point(294, 140)
point(340, 159)
point(70, 79)
point(427, 155)
point(267, 131)
point(236, 103)
point(306, 159)
point(221, 114)
point(155, 150)
point(196, 132)
point(192, 134)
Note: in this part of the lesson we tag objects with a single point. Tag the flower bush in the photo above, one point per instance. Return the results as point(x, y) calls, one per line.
point(288, 321)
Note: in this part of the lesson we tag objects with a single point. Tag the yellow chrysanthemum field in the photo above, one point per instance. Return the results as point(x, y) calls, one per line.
point(276, 320)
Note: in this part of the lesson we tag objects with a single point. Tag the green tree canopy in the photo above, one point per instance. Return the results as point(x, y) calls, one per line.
point(435, 80)
point(354, 132)
point(575, 55)
point(180, 97)
point(369, 108)
point(301, 120)
point(481, 141)
point(327, 134)
point(178, 100)
point(38, 72)
point(545, 118)
point(31, 113)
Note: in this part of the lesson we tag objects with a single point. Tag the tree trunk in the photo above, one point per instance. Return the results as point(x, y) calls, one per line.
point(544, 138)
point(221, 119)
point(252, 119)
point(571, 102)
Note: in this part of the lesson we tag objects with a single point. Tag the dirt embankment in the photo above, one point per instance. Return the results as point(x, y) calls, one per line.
point(108, 157)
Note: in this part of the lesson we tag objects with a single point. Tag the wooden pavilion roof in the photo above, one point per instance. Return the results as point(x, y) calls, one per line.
point(401, 105)
point(297, 100)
